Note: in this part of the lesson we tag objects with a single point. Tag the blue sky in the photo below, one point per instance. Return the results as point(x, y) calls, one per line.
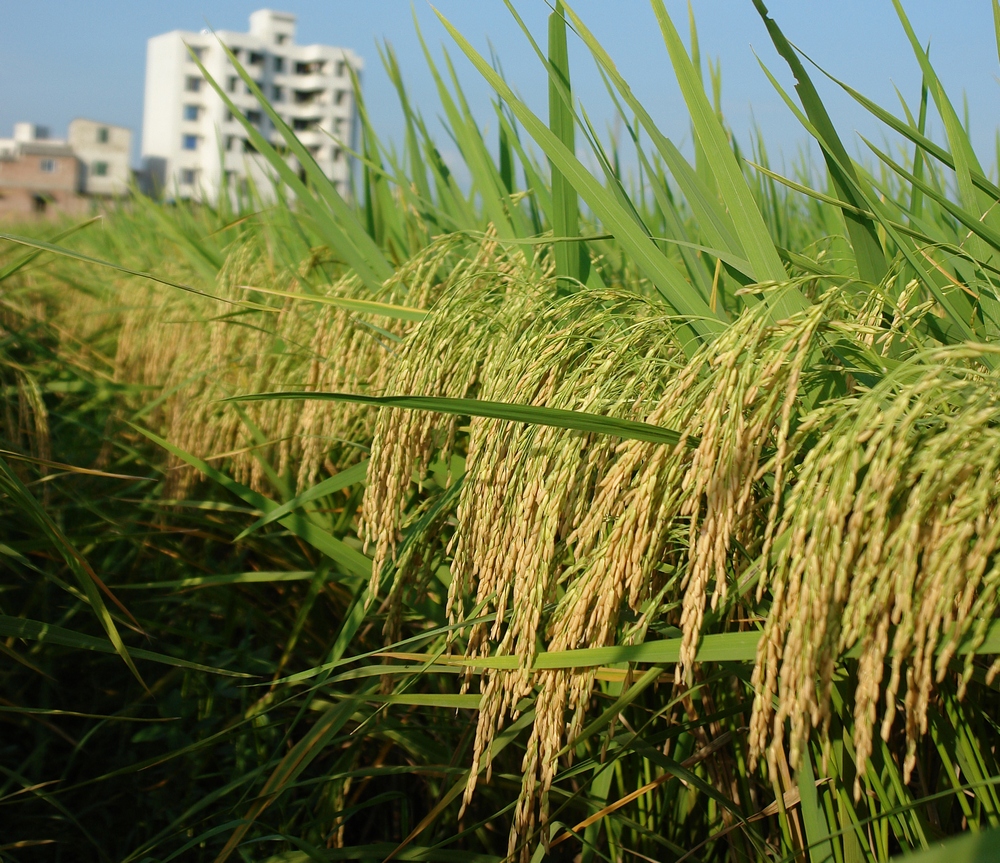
point(61, 59)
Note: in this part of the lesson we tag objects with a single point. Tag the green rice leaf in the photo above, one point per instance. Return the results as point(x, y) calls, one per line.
point(352, 476)
point(371, 307)
point(661, 271)
point(86, 259)
point(981, 847)
point(219, 580)
point(31, 509)
point(571, 260)
point(21, 262)
point(352, 561)
point(753, 234)
point(555, 417)
point(36, 630)
point(868, 252)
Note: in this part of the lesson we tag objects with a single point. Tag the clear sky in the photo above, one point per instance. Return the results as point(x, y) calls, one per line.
point(61, 59)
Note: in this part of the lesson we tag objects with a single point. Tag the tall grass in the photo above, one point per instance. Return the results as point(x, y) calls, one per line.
point(571, 515)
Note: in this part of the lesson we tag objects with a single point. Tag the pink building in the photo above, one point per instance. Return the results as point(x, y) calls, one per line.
point(41, 177)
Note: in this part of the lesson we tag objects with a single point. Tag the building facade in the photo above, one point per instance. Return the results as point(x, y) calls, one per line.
point(38, 176)
point(41, 176)
point(103, 151)
point(193, 140)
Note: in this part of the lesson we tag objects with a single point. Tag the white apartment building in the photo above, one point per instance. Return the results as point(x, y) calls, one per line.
point(191, 140)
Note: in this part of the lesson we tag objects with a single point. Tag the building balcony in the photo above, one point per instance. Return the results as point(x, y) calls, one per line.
point(305, 111)
point(307, 82)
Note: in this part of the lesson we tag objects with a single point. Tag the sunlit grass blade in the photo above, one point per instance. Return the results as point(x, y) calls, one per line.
point(386, 310)
point(555, 417)
point(754, 237)
point(86, 259)
point(868, 250)
point(20, 263)
point(661, 272)
point(331, 214)
point(255, 577)
point(571, 259)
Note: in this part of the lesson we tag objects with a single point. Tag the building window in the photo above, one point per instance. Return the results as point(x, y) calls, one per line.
point(197, 52)
point(338, 154)
point(313, 67)
point(192, 84)
point(248, 147)
point(102, 135)
point(39, 203)
point(341, 68)
point(254, 117)
point(191, 112)
point(231, 142)
point(48, 166)
point(188, 176)
point(280, 38)
point(235, 52)
point(339, 96)
point(256, 57)
point(190, 142)
point(278, 94)
point(99, 169)
point(279, 64)
point(232, 83)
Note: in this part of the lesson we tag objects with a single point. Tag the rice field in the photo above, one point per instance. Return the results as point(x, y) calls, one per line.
point(570, 515)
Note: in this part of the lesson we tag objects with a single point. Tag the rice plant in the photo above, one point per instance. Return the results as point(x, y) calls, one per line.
point(619, 516)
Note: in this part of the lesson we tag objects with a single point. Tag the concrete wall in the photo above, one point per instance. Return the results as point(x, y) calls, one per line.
point(27, 190)
point(104, 163)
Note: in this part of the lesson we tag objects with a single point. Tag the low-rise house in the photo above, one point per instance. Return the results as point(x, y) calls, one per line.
point(38, 175)
point(103, 151)
point(41, 176)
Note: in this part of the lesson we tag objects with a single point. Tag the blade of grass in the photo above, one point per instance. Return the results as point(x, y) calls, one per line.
point(661, 272)
point(352, 561)
point(571, 259)
point(555, 417)
point(351, 476)
point(371, 307)
point(88, 580)
point(48, 633)
point(750, 228)
point(868, 252)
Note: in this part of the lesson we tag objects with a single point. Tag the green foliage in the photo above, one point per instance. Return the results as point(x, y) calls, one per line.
point(210, 649)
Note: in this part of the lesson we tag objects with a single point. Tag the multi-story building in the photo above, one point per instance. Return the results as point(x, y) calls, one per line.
point(193, 140)
point(38, 175)
point(43, 176)
point(103, 151)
